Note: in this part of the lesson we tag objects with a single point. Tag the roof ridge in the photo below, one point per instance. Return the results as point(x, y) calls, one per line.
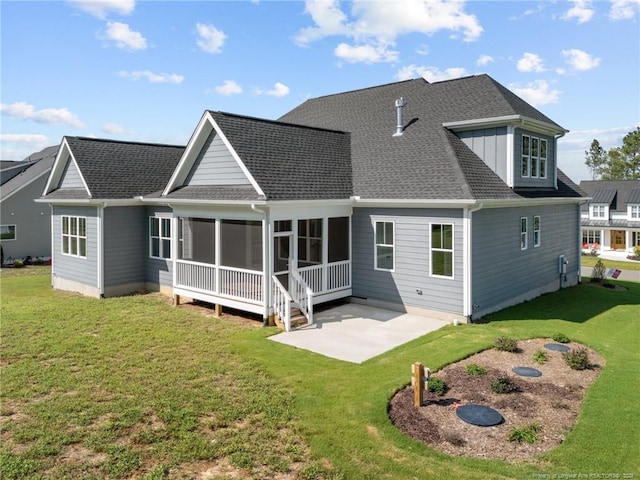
point(371, 88)
point(124, 142)
point(277, 122)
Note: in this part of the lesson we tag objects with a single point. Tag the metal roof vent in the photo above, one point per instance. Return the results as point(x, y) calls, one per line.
point(400, 103)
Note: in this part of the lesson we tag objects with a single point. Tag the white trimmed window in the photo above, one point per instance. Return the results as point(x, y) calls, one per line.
point(590, 237)
point(309, 242)
point(634, 212)
point(534, 157)
point(442, 250)
point(536, 231)
point(523, 233)
point(384, 256)
point(159, 237)
point(74, 236)
point(598, 211)
point(7, 232)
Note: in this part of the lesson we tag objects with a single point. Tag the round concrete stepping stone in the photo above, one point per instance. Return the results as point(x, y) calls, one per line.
point(558, 347)
point(526, 371)
point(479, 415)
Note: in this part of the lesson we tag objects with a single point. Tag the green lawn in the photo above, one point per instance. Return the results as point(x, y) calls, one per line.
point(132, 388)
point(590, 261)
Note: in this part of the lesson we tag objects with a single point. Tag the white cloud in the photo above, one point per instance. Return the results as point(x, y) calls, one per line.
point(101, 8)
point(279, 90)
point(124, 37)
point(152, 77)
point(536, 93)
point(17, 146)
point(530, 62)
point(210, 38)
point(365, 53)
point(229, 87)
point(51, 116)
point(430, 74)
point(484, 60)
point(582, 11)
point(579, 60)
point(374, 26)
point(624, 9)
point(112, 128)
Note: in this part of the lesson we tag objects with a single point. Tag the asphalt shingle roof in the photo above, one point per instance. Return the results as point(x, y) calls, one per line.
point(290, 162)
point(117, 170)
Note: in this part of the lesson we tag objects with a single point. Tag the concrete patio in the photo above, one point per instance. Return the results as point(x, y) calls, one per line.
point(355, 333)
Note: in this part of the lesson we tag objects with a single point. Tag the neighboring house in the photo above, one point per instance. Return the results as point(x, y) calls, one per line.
point(611, 219)
point(25, 226)
point(443, 199)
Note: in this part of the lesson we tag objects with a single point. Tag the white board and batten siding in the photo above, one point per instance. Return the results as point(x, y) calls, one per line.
point(410, 285)
point(76, 273)
point(215, 165)
point(503, 274)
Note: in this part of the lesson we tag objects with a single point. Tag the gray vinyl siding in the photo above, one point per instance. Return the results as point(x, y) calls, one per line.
point(32, 221)
point(71, 176)
point(501, 271)
point(412, 262)
point(81, 270)
point(125, 245)
point(520, 181)
point(216, 166)
point(157, 271)
point(490, 144)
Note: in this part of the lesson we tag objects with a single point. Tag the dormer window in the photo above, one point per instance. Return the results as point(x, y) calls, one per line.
point(534, 157)
point(597, 211)
point(634, 212)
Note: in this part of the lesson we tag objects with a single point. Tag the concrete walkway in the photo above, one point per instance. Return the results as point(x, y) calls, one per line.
point(626, 275)
point(355, 333)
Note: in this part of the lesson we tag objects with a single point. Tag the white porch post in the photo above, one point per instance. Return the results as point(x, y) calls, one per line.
point(325, 252)
point(217, 254)
point(267, 267)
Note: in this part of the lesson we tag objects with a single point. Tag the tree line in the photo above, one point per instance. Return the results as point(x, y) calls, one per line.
point(619, 163)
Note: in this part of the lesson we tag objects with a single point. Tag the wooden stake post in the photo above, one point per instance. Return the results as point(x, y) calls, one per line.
point(418, 384)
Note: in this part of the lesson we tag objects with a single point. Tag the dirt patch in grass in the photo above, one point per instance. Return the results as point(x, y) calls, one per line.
point(552, 401)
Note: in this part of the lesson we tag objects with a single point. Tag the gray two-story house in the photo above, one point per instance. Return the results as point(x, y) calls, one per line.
point(436, 198)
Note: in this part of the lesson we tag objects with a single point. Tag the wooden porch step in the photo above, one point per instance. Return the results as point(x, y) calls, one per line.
point(298, 320)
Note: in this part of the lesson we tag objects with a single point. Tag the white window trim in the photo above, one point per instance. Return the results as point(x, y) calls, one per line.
point(160, 237)
point(308, 240)
point(376, 245)
point(536, 232)
point(524, 234)
point(15, 233)
point(630, 212)
point(605, 211)
point(534, 157)
point(73, 236)
point(543, 159)
point(452, 250)
point(528, 157)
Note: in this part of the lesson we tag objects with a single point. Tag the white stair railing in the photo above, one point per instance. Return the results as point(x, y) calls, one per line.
point(282, 303)
point(302, 295)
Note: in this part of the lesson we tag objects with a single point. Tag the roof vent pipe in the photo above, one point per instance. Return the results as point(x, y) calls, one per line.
point(400, 103)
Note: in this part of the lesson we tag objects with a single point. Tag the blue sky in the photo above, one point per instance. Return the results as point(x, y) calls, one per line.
point(146, 70)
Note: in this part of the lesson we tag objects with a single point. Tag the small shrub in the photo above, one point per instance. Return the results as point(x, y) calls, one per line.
point(505, 344)
point(528, 433)
point(577, 359)
point(18, 263)
point(597, 274)
point(437, 385)
point(540, 356)
point(561, 338)
point(473, 369)
point(502, 385)
point(636, 251)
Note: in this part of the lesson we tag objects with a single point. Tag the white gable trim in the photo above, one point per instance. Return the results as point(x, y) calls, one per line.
point(206, 125)
point(64, 156)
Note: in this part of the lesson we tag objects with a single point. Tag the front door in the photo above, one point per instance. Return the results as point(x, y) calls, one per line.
point(618, 240)
point(282, 257)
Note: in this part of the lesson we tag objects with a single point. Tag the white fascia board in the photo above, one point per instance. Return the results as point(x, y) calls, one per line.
point(64, 155)
point(187, 201)
point(193, 150)
point(523, 202)
point(190, 154)
point(435, 203)
point(512, 120)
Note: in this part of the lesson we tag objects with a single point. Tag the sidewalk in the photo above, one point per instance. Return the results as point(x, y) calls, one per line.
point(626, 275)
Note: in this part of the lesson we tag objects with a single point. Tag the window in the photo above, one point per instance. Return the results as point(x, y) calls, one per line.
point(384, 246)
point(536, 231)
point(442, 250)
point(635, 239)
point(7, 232)
point(598, 211)
point(634, 212)
point(74, 236)
point(525, 156)
point(590, 238)
point(309, 242)
point(523, 233)
point(159, 237)
point(534, 157)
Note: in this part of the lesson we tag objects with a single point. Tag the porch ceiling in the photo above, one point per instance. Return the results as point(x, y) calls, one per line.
point(355, 333)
